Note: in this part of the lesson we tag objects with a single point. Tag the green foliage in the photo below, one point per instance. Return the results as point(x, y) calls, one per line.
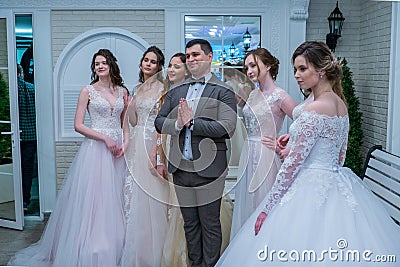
point(354, 159)
point(5, 140)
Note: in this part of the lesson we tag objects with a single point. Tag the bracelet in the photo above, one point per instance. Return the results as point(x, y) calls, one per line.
point(158, 160)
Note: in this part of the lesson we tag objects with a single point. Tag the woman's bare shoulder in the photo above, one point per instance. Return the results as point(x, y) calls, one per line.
point(324, 106)
point(329, 105)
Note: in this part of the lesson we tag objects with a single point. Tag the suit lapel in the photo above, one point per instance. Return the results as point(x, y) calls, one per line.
point(207, 93)
point(181, 91)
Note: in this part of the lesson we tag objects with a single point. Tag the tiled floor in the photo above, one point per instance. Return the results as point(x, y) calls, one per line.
point(7, 210)
point(13, 240)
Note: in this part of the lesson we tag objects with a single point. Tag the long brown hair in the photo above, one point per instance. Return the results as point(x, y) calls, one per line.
point(115, 74)
point(160, 63)
point(320, 56)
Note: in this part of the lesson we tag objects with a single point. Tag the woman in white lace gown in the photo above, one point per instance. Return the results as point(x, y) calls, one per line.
point(317, 213)
point(175, 249)
point(146, 194)
point(263, 114)
point(87, 226)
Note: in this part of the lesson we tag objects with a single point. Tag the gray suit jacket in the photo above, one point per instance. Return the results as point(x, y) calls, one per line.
point(214, 121)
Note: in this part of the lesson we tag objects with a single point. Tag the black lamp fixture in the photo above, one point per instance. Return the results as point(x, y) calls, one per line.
point(232, 49)
point(335, 20)
point(246, 40)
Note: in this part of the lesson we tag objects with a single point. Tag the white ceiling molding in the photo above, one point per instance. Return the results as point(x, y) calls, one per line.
point(137, 4)
point(299, 9)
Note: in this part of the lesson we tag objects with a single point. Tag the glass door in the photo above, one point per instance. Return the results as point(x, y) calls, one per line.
point(11, 206)
point(27, 114)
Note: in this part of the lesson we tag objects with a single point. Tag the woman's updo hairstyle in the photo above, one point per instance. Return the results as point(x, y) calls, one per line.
point(267, 58)
point(320, 56)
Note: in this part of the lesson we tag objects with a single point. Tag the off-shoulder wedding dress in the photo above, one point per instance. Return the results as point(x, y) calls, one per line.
point(319, 212)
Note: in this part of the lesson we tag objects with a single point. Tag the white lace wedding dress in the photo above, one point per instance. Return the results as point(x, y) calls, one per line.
point(87, 226)
point(146, 196)
point(319, 213)
point(258, 164)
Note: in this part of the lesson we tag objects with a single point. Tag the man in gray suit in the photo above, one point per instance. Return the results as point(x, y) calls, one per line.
point(199, 115)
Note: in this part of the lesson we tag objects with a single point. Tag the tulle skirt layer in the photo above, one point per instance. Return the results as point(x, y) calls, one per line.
point(326, 218)
point(146, 199)
point(257, 170)
point(87, 226)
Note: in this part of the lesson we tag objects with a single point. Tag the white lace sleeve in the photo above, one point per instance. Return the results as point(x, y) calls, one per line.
point(342, 153)
point(304, 131)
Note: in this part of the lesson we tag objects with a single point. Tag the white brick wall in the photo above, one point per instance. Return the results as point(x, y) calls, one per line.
point(365, 43)
point(318, 28)
point(373, 85)
point(68, 24)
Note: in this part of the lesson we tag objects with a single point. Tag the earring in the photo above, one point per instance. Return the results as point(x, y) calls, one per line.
point(320, 77)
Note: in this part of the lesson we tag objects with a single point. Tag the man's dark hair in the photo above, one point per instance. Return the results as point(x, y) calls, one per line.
point(204, 44)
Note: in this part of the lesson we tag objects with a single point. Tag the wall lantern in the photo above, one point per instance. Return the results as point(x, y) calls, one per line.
point(246, 40)
point(232, 49)
point(335, 20)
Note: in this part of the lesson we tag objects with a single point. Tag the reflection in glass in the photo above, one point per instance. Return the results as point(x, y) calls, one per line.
point(27, 113)
point(225, 33)
point(7, 201)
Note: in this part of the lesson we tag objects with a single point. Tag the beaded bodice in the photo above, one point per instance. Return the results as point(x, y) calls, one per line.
point(105, 117)
point(146, 111)
point(262, 113)
point(327, 141)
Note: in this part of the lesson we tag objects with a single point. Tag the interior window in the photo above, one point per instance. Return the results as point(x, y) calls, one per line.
point(230, 36)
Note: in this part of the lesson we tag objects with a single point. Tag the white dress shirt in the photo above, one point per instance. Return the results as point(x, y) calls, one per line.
point(193, 96)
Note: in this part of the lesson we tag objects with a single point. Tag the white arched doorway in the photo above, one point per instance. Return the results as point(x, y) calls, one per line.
point(72, 71)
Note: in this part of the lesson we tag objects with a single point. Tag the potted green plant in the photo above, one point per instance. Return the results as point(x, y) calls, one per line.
point(354, 159)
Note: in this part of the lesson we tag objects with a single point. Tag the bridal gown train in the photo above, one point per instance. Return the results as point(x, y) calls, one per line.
point(319, 212)
point(87, 226)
